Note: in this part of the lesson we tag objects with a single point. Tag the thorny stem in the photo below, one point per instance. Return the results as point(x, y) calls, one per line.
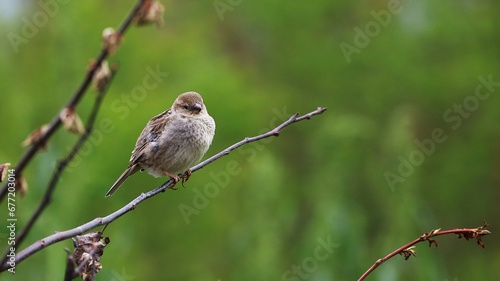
point(407, 249)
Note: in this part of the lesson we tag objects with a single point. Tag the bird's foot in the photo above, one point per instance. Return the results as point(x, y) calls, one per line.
point(186, 177)
point(172, 185)
point(173, 177)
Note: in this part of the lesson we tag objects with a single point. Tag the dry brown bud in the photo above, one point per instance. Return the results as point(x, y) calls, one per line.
point(88, 251)
point(101, 77)
point(408, 252)
point(21, 185)
point(151, 11)
point(3, 170)
point(111, 40)
point(433, 232)
point(35, 136)
point(71, 120)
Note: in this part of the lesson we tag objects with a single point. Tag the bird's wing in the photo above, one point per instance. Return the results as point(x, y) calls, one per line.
point(150, 133)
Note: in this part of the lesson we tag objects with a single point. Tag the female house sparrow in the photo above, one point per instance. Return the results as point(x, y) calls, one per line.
point(172, 141)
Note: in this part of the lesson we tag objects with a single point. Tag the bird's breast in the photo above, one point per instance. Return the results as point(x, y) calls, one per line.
point(182, 143)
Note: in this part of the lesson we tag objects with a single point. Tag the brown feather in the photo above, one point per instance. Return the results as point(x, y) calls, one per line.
point(154, 127)
point(132, 169)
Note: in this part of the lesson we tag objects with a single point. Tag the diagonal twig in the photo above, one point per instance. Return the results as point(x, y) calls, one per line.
point(407, 250)
point(74, 100)
point(63, 235)
point(61, 166)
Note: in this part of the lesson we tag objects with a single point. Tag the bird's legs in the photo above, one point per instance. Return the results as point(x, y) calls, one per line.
point(175, 178)
point(186, 177)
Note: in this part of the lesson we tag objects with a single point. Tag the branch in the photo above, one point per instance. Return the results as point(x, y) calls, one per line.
point(69, 274)
point(55, 124)
point(61, 166)
point(63, 235)
point(74, 100)
point(407, 250)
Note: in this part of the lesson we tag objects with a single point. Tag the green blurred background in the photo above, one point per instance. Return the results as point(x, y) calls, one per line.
point(271, 205)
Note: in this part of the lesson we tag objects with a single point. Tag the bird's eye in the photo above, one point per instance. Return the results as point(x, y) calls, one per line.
point(185, 106)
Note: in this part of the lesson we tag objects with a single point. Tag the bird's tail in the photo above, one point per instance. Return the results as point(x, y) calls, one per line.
point(128, 172)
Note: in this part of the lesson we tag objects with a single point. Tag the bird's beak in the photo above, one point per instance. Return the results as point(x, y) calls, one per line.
point(197, 107)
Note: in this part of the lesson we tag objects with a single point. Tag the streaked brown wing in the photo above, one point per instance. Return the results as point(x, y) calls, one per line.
point(149, 134)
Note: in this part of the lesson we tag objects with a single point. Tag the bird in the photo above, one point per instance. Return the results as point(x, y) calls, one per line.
point(172, 141)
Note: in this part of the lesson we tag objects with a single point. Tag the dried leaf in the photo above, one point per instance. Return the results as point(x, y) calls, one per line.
point(21, 186)
point(35, 136)
point(434, 232)
point(408, 252)
point(101, 77)
point(151, 11)
point(111, 40)
point(3, 170)
point(71, 120)
point(483, 232)
point(91, 267)
point(88, 251)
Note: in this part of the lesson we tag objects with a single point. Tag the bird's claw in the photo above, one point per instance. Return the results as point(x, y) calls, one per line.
point(175, 179)
point(172, 185)
point(186, 177)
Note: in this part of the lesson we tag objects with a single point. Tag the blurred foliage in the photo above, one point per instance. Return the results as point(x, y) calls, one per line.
point(321, 180)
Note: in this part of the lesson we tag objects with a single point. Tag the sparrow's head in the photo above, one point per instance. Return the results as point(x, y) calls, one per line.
point(189, 104)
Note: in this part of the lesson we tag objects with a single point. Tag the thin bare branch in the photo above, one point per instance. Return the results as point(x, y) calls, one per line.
point(72, 103)
point(61, 166)
point(63, 235)
point(407, 250)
